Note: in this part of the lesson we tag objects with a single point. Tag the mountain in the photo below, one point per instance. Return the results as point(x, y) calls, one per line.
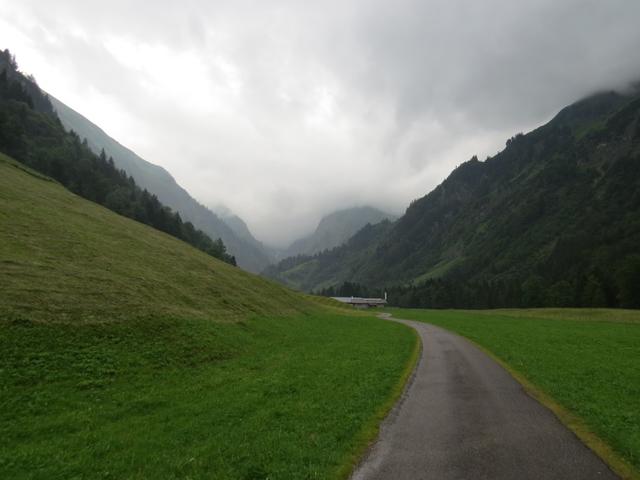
point(241, 230)
point(31, 131)
point(239, 227)
point(335, 229)
point(553, 219)
point(330, 268)
point(249, 254)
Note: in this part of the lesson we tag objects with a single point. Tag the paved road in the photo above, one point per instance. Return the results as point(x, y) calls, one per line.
point(464, 417)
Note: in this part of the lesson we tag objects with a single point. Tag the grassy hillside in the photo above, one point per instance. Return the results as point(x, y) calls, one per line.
point(31, 132)
point(130, 354)
point(586, 360)
point(250, 254)
point(66, 258)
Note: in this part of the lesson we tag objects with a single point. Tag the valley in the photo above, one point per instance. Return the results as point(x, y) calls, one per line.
point(303, 278)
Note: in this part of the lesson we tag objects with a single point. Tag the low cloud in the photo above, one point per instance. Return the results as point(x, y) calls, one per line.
point(284, 111)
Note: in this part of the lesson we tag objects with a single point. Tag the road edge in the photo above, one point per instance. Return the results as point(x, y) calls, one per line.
point(575, 424)
point(368, 435)
point(580, 429)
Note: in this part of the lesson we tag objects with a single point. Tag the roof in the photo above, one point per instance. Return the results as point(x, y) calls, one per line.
point(361, 301)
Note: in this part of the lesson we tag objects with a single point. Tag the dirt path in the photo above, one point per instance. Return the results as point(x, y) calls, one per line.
point(464, 417)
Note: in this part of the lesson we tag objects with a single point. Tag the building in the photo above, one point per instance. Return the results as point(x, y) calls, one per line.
point(363, 302)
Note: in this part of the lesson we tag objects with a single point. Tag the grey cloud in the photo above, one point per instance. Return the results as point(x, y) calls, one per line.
point(499, 62)
point(306, 107)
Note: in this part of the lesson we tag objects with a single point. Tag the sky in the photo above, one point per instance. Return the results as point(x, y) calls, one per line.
point(284, 111)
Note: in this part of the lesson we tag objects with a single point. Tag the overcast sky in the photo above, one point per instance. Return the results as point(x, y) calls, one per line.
point(287, 110)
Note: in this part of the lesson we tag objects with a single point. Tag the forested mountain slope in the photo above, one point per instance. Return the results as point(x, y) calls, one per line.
point(335, 229)
point(553, 219)
point(331, 267)
point(249, 253)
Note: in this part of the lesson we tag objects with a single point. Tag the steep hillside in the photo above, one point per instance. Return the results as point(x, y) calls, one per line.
point(126, 353)
point(64, 258)
point(31, 131)
point(249, 254)
point(335, 229)
point(553, 219)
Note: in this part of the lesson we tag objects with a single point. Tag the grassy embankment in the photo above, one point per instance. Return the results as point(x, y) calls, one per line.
point(584, 364)
point(128, 354)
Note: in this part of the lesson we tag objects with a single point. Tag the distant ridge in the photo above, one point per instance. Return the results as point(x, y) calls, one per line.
point(250, 255)
point(335, 229)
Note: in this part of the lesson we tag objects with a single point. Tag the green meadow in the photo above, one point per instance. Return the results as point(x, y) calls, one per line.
point(292, 397)
point(586, 360)
point(126, 353)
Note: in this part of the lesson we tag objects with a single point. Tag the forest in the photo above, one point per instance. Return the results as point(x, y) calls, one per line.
point(552, 220)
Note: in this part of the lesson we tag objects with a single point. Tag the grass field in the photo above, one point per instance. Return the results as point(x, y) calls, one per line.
point(66, 259)
point(125, 353)
point(271, 398)
point(586, 360)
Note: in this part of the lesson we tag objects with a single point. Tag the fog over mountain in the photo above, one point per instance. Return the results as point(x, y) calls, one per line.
point(335, 229)
point(287, 110)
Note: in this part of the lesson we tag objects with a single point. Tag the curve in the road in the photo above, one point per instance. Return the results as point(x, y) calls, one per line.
point(464, 417)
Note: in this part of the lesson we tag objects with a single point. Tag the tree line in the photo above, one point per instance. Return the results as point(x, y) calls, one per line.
point(31, 132)
point(595, 288)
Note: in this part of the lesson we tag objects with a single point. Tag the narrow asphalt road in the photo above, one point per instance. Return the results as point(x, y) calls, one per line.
point(464, 417)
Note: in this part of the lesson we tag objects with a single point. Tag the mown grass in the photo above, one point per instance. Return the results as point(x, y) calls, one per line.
point(267, 398)
point(125, 353)
point(63, 258)
point(586, 360)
